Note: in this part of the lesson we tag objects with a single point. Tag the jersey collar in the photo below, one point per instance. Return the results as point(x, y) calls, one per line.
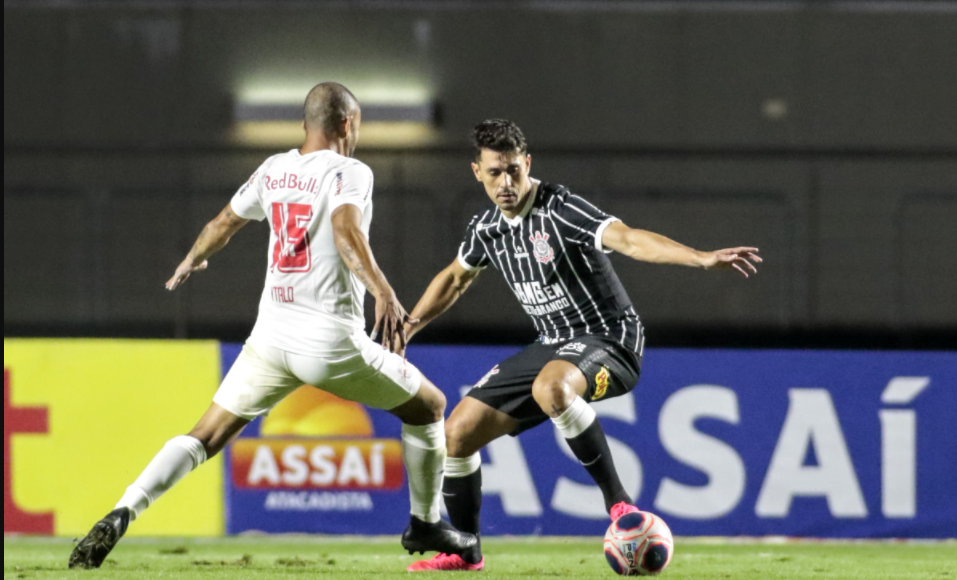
point(528, 208)
point(298, 152)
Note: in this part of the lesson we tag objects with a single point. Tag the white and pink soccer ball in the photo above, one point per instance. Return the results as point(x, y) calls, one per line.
point(639, 544)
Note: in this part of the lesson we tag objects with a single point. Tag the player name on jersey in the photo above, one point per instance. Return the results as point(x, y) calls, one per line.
point(284, 294)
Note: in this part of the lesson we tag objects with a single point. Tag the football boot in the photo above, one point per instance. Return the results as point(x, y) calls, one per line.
point(446, 563)
point(92, 550)
point(440, 537)
point(622, 509)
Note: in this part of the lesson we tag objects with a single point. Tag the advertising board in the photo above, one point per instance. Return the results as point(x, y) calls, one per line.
point(81, 419)
point(719, 443)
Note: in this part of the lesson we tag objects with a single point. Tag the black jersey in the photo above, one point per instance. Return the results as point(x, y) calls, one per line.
point(553, 260)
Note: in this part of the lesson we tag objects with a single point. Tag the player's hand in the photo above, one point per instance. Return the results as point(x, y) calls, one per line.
point(740, 259)
point(185, 270)
point(409, 329)
point(391, 319)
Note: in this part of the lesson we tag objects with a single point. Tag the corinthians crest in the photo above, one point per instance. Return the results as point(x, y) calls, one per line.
point(543, 252)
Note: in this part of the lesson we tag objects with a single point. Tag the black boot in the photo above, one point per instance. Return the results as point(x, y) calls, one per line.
point(92, 550)
point(440, 537)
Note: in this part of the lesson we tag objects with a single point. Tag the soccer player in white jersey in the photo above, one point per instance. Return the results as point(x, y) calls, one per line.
point(310, 330)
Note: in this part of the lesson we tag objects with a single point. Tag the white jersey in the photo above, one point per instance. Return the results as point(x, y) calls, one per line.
point(312, 304)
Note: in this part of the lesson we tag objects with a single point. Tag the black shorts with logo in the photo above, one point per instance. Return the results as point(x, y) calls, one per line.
point(611, 370)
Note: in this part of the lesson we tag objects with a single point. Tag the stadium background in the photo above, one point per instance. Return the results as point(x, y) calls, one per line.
point(823, 132)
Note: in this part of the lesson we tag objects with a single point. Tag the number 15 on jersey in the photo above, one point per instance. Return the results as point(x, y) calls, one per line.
point(292, 253)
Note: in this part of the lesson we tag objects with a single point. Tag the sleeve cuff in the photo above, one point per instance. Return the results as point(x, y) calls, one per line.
point(468, 267)
point(247, 213)
point(336, 204)
point(601, 232)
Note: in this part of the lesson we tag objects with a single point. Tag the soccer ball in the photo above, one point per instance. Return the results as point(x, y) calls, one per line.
point(639, 544)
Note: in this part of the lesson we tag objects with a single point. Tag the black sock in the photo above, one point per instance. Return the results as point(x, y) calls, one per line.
point(591, 448)
point(463, 498)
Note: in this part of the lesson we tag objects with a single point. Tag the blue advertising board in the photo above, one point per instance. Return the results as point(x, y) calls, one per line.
point(718, 442)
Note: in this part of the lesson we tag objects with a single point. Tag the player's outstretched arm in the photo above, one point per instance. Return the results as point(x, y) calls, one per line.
point(441, 294)
point(354, 248)
point(657, 249)
point(212, 239)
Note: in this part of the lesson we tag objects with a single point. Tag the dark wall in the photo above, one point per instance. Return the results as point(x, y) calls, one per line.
point(825, 136)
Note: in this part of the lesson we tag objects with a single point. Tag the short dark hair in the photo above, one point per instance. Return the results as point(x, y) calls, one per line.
point(327, 106)
point(498, 135)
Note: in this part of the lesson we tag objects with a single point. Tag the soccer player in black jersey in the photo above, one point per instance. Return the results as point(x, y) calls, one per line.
point(550, 246)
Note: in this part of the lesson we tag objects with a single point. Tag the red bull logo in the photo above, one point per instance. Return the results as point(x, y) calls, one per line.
point(290, 181)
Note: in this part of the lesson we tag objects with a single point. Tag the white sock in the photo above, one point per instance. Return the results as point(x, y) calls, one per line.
point(576, 420)
point(456, 468)
point(174, 462)
point(423, 450)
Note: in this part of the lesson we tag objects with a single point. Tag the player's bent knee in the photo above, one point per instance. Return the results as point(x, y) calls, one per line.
point(433, 400)
point(438, 402)
point(554, 397)
point(426, 408)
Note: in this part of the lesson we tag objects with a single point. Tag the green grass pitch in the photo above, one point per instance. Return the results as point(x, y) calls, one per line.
point(277, 558)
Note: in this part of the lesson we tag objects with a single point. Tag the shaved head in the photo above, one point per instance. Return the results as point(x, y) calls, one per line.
point(328, 106)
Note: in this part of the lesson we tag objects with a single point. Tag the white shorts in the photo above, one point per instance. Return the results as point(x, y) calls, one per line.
point(263, 376)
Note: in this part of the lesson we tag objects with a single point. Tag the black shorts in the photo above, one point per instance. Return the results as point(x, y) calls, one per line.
point(611, 370)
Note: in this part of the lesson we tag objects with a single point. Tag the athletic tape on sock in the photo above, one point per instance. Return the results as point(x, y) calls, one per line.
point(456, 467)
point(178, 457)
point(425, 437)
point(423, 451)
point(192, 446)
point(576, 420)
point(136, 500)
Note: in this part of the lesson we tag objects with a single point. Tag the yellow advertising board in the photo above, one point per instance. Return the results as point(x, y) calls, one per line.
point(83, 418)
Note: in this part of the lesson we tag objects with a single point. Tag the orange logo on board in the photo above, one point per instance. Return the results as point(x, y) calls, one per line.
point(307, 464)
point(601, 384)
point(315, 441)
